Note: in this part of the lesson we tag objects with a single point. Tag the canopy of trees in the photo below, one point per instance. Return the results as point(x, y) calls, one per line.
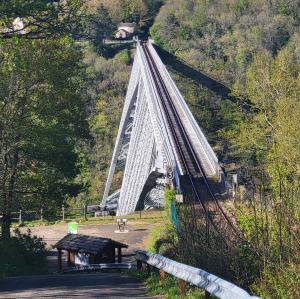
point(140, 11)
point(42, 114)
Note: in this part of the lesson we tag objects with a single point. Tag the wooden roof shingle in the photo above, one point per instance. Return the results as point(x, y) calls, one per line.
point(86, 244)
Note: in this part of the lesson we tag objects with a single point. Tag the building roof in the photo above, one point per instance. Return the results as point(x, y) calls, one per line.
point(127, 25)
point(86, 244)
point(124, 30)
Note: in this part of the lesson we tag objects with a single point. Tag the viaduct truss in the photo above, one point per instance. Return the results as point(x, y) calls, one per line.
point(158, 141)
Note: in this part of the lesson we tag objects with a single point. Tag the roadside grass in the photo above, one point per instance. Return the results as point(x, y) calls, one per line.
point(168, 287)
point(138, 219)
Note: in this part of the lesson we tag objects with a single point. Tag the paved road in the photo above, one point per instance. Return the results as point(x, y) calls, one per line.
point(102, 285)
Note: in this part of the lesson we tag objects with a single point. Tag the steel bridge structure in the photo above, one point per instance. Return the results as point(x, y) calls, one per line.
point(159, 142)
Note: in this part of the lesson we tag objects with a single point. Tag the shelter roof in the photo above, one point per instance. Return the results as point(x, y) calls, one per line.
point(133, 25)
point(86, 244)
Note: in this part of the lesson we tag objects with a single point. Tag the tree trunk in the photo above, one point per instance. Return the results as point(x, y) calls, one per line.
point(8, 196)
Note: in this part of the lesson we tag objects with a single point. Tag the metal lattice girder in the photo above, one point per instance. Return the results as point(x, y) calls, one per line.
point(128, 105)
point(144, 143)
point(204, 151)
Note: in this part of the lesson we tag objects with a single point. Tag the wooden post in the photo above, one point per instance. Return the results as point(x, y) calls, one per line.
point(207, 295)
point(119, 255)
point(63, 212)
point(149, 268)
point(20, 216)
point(41, 214)
point(162, 275)
point(182, 288)
point(139, 265)
point(84, 212)
point(69, 258)
point(59, 260)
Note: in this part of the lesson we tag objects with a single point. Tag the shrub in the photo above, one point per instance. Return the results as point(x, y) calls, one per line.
point(169, 197)
point(124, 56)
point(163, 240)
point(169, 287)
point(22, 254)
point(279, 283)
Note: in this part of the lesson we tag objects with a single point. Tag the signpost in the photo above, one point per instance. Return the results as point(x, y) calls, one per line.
point(72, 227)
point(121, 225)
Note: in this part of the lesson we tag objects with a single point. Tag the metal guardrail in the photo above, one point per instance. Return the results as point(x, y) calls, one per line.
point(95, 267)
point(210, 283)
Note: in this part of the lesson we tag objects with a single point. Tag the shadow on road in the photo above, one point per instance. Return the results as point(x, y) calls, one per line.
point(103, 285)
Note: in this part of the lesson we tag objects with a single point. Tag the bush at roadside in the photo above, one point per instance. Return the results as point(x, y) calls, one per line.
point(22, 254)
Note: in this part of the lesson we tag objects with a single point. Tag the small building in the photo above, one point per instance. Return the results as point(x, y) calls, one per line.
point(17, 27)
point(126, 30)
point(85, 250)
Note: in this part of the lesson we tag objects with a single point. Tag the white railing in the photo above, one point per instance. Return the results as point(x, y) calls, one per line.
point(95, 267)
point(210, 283)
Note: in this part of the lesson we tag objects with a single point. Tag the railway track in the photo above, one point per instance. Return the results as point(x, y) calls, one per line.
point(194, 174)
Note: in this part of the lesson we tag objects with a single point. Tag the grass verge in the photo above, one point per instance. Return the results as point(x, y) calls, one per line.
point(168, 287)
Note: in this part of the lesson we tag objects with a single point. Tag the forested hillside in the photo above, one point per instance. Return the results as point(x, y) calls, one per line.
point(61, 97)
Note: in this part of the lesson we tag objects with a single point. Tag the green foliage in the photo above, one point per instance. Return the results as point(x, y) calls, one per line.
point(169, 287)
point(124, 56)
point(23, 254)
point(280, 283)
point(140, 11)
point(222, 39)
point(266, 142)
point(163, 240)
point(42, 18)
point(169, 198)
point(99, 26)
point(154, 32)
point(106, 81)
point(42, 118)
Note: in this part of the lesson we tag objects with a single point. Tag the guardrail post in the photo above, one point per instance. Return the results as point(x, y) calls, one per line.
point(63, 212)
point(182, 288)
point(139, 265)
point(162, 275)
point(192, 275)
point(20, 216)
point(41, 214)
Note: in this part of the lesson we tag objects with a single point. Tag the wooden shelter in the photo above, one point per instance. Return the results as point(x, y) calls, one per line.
point(126, 30)
point(84, 250)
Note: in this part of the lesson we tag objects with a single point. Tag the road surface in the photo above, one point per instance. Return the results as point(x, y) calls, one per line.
point(99, 285)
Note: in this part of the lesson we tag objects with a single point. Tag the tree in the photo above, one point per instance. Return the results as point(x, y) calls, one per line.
point(41, 18)
point(41, 118)
point(98, 27)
